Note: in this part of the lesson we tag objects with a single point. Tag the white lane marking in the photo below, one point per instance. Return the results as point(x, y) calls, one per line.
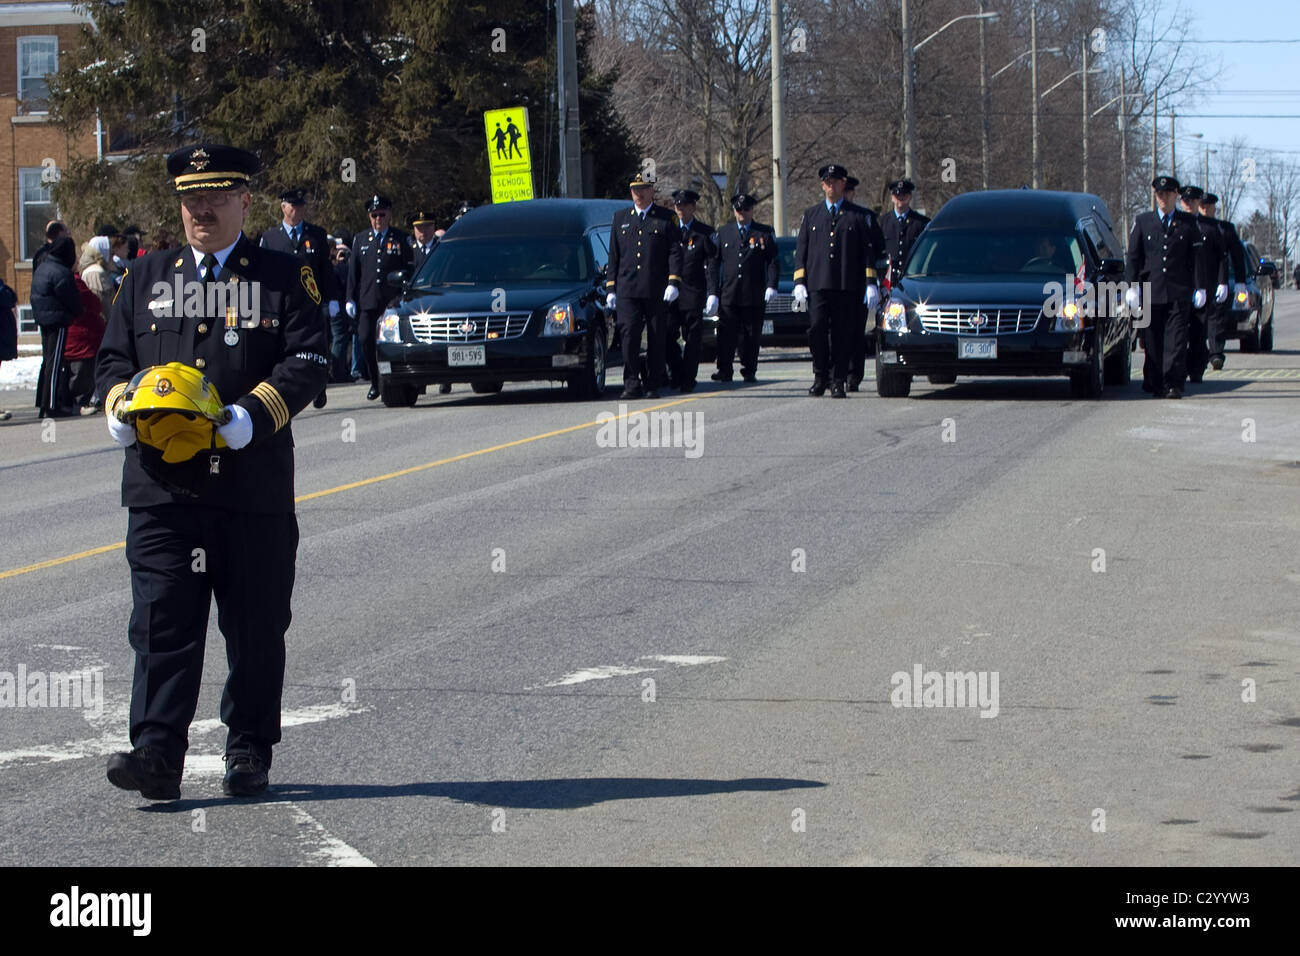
point(323, 846)
point(60, 647)
point(606, 671)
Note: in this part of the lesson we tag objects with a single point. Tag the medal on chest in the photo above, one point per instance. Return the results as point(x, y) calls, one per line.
point(232, 326)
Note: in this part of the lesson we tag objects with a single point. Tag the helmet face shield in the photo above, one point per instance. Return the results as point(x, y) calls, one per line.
point(175, 409)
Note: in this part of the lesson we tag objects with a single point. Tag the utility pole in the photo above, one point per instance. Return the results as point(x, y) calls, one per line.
point(566, 67)
point(1085, 114)
point(909, 95)
point(1033, 78)
point(1155, 119)
point(778, 124)
point(1173, 147)
point(1123, 156)
point(984, 109)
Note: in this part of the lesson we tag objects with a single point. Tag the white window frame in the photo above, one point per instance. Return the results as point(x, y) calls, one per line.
point(26, 319)
point(26, 254)
point(18, 65)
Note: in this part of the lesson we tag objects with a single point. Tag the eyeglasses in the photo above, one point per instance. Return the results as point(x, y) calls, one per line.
point(214, 200)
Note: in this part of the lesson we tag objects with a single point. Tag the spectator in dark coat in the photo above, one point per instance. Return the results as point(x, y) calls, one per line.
point(8, 332)
point(53, 231)
point(56, 303)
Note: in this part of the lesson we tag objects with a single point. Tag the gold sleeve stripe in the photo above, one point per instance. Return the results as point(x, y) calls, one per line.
point(609, 283)
point(798, 274)
point(871, 273)
point(115, 395)
point(674, 278)
point(269, 397)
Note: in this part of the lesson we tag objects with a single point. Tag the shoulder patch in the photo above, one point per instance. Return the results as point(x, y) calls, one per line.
point(309, 283)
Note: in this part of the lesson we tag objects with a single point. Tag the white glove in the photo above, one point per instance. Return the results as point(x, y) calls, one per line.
point(352, 310)
point(670, 293)
point(801, 292)
point(1133, 298)
point(711, 305)
point(767, 295)
point(1198, 299)
point(1221, 294)
point(122, 433)
point(872, 298)
point(334, 309)
point(610, 302)
point(237, 432)
point(1240, 289)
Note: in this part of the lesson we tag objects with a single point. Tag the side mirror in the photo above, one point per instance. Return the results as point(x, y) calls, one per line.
point(1111, 267)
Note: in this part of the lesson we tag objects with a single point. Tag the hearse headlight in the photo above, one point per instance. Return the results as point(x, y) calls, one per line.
point(390, 329)
point(895, 318)
point(1070, 318)
point(559, 320)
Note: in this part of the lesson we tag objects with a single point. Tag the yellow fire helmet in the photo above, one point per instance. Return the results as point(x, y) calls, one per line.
point(175, 409)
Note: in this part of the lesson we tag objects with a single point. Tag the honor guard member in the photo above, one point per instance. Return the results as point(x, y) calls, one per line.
point(211, 512)
point(1216, 333)
point(744, 280)
point(644, 272)
point(1164, 249)
point(902, 227)
point(423, 239)
point(375, 253)
point(1216, 270)
point(310, 243)
point(686, 315)
point(834, 274)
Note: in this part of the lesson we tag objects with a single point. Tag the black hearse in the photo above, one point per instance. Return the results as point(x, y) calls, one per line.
point(512, 293)
point(1009, 282)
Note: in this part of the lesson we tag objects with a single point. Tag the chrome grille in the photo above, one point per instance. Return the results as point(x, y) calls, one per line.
point(962, 320)
point(455, 328)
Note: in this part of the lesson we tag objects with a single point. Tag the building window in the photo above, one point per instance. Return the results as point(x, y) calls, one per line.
point(26, 323)
point(37, 56)
point(37, 209)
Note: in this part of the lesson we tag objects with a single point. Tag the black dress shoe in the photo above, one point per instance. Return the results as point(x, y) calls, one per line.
point(749, 376)
point(372, 394)
point(319, 400)
point(632, 391)
point(720, 377)
point(1196, 379)
point(853, 387)
point(1216, 362)
point(687, 388)
point(651, 393)
point(444, 388)
point(1173, 393)
point(145, 770)
point(818, 388)
point(837, 390)
point(245, 775)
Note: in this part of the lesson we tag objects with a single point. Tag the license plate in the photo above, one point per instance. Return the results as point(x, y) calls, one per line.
point(768, 327)
point(467, 355)
point(385, 368)
point(977, 348)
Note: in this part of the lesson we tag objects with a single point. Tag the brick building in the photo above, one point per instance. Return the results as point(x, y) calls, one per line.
point(32, 37)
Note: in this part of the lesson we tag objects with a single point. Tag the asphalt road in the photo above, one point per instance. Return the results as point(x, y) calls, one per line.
point(514, 645)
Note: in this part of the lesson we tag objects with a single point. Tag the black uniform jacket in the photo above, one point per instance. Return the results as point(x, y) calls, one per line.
point(838, 252)
point(644, 257)
point(1236, 251)
point(371, 262)
point(745, 269)
point(1214, 247)
point(1172, 261)
point(698, 252)
point(313, 249)
point(899, 237)
point(275, 368)
point(418, 255)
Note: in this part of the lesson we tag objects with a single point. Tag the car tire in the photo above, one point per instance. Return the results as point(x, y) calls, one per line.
point(394, 395)
point(1266, 338)
point(1089, 382)
point(1249, 342)
point(486, 388)
point(589, 383)
point(942, 378)
point(1117, 367)
point(891, 383)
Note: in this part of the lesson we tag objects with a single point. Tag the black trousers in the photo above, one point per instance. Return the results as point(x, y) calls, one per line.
point(858, 344)
point(342, 328)
point(739, 326)
point(1216, 325)
point(684, 359)
point(52, 393)
point(367, 319)
point(633, 316)
point(831, 314)
point(181, 557)
point(1165, 343)
point(1198, 353)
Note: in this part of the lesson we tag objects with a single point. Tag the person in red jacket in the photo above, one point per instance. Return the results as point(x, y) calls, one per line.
point(84, 336)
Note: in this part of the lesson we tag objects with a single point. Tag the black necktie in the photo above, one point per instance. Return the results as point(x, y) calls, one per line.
point(744, 233)
point(296, 234)
point(210, 267)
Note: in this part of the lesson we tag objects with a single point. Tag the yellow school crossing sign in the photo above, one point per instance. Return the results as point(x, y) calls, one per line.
point(509, 160)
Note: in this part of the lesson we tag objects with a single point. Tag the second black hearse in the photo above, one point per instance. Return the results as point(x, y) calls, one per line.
point(1010, 282)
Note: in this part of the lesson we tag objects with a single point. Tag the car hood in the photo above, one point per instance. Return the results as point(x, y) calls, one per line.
point(462, 299)
point(965, 290)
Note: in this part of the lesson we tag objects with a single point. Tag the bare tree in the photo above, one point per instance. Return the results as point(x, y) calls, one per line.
point(1235, 172)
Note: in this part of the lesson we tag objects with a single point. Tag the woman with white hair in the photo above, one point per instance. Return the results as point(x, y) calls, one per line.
point(96, 271)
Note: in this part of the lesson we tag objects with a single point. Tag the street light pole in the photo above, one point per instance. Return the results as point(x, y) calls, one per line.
point(909, 120)
point(984, 108)
point(778, 124)
point(1033, 79)
point(1085, 115)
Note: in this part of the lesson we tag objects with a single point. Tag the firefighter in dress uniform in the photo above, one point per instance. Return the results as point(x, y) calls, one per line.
point(1216, 333)
point(686, 315)
point(376, 253)
point(209, 486)
point(744, 281)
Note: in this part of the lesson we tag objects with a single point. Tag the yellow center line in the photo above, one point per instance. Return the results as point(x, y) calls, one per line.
point(54, 562)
